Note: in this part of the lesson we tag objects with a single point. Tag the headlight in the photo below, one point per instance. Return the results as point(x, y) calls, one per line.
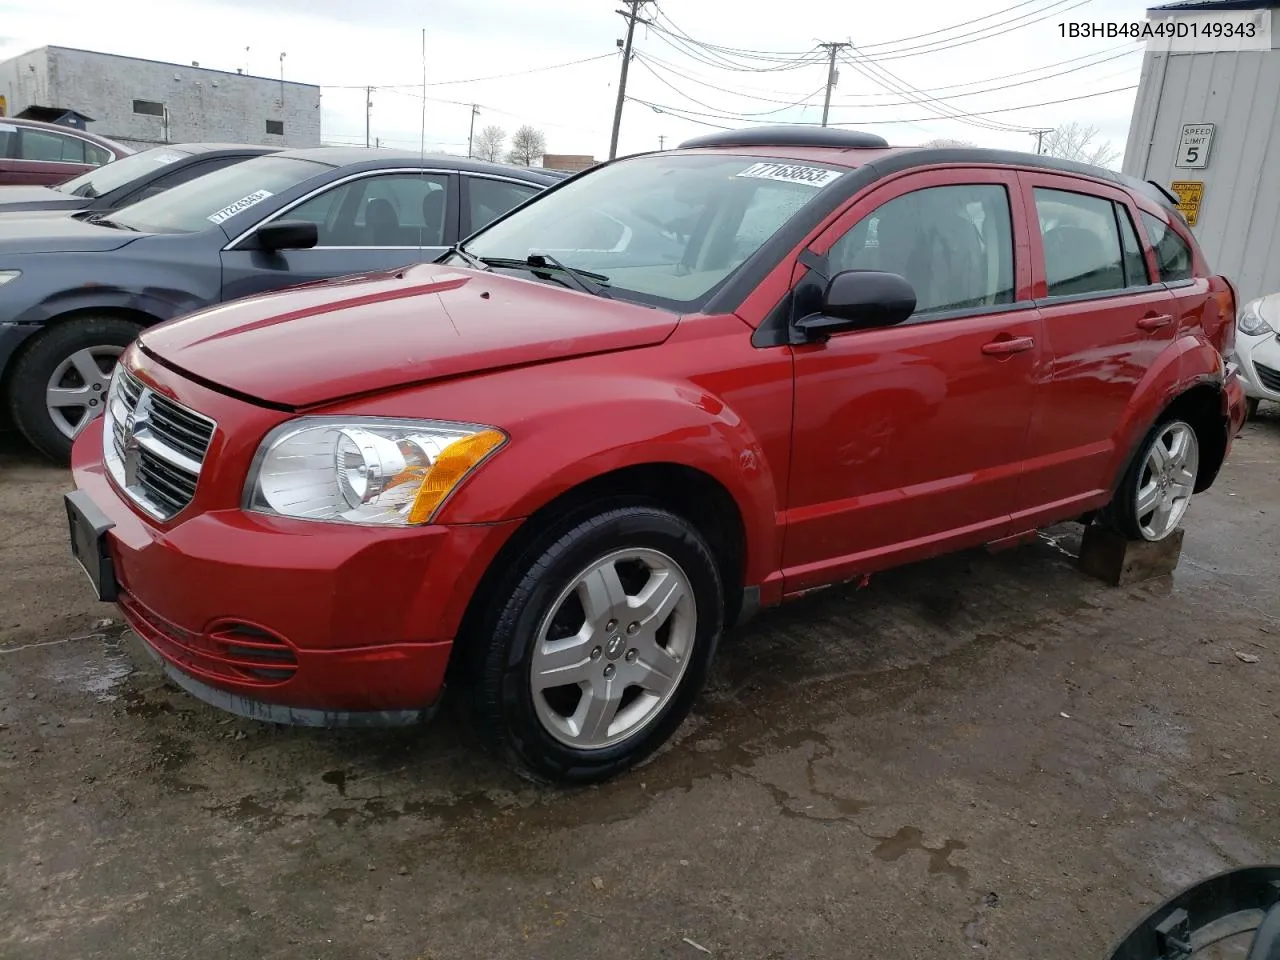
point(1251, 323)
point(365, 469)
point(7, 275)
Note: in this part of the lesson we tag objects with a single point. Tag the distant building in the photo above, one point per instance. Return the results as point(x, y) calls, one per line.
point(142, 103)
point(568, 161)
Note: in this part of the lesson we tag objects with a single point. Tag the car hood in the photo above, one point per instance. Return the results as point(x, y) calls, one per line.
point(1269, 310)
point(13, 199)
point(41, 233)
point(333, 339)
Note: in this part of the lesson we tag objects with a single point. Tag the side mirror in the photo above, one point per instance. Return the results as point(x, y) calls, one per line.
point(287, 235)
point(857, 300)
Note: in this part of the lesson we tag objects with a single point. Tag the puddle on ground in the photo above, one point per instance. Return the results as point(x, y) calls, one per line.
point(911, 838)
point(97, 665)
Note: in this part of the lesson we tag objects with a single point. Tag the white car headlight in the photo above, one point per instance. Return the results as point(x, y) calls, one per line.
point(1250, 321)
point(7, 275)
point(365, 470)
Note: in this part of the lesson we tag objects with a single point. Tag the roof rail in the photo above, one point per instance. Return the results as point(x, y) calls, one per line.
point(789, 135)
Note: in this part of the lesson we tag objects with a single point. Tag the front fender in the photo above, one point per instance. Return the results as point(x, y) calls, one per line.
point(159, 302)
point(609, 423)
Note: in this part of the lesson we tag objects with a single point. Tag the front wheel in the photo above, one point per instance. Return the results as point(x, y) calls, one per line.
point(599, 652)
point(60, 382)
point(1156, 490)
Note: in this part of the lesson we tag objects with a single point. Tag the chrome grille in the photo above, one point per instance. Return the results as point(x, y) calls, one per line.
point(154, 447)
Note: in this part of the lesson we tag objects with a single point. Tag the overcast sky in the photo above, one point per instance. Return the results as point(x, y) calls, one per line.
point(988, 55)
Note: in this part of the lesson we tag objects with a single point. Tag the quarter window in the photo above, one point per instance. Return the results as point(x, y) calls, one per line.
point(393, 210)
point(1173, 256)
point(1081, 243)
point(953, 244)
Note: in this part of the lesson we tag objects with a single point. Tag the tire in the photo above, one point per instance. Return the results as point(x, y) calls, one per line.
point(60, 356)
point(560, 732)
point(1171, 488)
point(1251, 408)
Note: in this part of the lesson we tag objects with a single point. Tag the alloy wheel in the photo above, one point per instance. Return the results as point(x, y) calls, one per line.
point(1167, 481)
point(77, 389)
point(612, 649)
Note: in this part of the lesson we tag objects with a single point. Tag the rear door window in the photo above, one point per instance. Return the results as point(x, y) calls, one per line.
point(1135, 264)
point(51, 147)
point(1081, 243)
point(487, 199)
point(1173, 256)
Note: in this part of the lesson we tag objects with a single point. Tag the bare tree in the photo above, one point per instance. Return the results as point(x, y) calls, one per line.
point(1076, 142)
point(527, 146)
point(489, 142)
point(947, 142)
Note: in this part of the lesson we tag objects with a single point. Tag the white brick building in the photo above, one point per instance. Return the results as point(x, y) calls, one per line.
point(145, 102)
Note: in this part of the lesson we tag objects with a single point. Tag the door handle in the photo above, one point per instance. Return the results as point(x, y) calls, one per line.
point(1154, 321)
point(1002, 348)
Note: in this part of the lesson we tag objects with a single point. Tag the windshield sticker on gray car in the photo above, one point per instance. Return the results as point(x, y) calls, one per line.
point(816, 177)
point(244, 203)
point(8, 128)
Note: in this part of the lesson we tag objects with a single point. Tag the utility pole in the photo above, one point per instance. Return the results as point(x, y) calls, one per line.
point(662, 142)
point(475, 110)
point(368, 110)
point(1039, 135)
point(282, 78)
point(832, 74)
point(631, 15)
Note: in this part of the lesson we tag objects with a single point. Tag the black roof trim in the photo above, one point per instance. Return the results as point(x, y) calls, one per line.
point(907, 159)
point(1192, 5)
point(789, 135)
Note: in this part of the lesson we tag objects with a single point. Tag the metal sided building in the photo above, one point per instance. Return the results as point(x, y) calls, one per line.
point(1206, 125)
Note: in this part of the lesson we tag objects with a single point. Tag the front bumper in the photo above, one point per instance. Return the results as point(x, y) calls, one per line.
point(1258, 362)
point(287, 620)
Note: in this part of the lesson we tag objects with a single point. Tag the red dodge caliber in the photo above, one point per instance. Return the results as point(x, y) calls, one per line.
point(559, 462)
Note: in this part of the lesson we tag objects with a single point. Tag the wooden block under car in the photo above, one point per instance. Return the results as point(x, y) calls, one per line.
point(1113, 559)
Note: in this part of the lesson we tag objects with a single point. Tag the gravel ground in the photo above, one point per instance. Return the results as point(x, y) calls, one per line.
point(987, 756)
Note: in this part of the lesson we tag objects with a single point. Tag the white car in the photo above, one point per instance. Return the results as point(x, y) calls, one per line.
point(1257, 351)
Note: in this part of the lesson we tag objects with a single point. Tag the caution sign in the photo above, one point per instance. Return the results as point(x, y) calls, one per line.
point(1190, 193)
point(4, 106)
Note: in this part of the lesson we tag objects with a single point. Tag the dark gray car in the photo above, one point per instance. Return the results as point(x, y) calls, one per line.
point(129, 179)
point(75, 291)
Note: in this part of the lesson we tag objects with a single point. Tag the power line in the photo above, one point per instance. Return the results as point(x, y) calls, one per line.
point(803, 101)
point(685, 114)
point(675, 71)
point(905, 52)
point(955, 26)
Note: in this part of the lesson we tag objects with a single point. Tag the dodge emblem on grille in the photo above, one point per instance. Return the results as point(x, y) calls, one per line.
point(132, 452)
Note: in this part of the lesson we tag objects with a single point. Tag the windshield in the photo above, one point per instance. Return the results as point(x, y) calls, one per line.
point(662, 229)
point(207, 201)
point(120, 172)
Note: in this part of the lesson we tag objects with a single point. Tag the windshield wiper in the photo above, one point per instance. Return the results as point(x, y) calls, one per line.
point(471, 258)
point(102, 221)
point(582, 280)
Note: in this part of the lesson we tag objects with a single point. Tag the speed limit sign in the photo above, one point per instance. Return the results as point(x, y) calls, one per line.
point(1193, 148)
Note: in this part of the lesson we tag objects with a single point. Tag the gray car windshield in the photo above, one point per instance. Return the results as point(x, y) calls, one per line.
point(662, 229)
point(211, 200)
point(120, 172)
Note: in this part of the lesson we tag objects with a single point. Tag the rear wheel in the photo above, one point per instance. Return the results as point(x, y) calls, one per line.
point(60, 382)
point(598, 653)
point(1156, 490)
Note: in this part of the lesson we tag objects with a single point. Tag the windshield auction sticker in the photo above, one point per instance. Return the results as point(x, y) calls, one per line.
point(244, 203)
point(816, 177)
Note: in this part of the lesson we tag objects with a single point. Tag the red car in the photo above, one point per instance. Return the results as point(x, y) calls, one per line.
point(559, 462)
point(42, 154)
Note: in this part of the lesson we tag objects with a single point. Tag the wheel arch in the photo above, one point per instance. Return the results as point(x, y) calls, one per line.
point(1201, 405)
point(693, 494)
